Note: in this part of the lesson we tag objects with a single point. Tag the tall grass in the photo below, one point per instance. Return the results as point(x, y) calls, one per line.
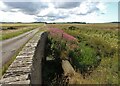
point(10, 34)
point(98, 50)
point(11, 30)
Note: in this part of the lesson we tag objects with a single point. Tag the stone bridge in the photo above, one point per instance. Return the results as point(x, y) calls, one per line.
point(27, 67)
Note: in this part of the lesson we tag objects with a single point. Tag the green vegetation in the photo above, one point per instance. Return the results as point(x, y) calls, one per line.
point(10, 34)
point(92, 49)
point(84, 58)
point(20, 24)
point(96, 54)
point(11, 30)
point(0, 73)
point(57, 49)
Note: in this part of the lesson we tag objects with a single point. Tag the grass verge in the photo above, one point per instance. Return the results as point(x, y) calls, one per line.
point(5, 36)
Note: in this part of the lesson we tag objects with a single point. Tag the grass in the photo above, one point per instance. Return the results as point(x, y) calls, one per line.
point(95, 40)
point(13, 30)
point(11, 34)
point(60, 47)
point(108, 70)
point(0, 73)
point(6, 34)
point(20, 24)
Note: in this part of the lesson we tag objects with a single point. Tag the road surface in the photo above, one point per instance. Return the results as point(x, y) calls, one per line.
point(10, 47)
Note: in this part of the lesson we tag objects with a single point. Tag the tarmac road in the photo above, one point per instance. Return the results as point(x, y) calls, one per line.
point(9, 47)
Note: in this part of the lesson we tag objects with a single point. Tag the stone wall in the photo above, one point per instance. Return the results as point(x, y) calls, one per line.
point(38, 60)
point(26, 68)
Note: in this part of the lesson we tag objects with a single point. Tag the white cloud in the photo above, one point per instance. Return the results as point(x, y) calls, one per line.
point(48, 10)
point(16, 17)
point(91, 18)
point(2, 5)
point(102, 7)
point(52, 11)
point(89, 7)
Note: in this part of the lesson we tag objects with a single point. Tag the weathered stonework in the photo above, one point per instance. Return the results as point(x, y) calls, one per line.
point(38, 60)
point(26, 70)
point(19, 71)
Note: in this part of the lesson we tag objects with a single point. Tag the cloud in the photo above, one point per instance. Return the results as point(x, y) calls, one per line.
point(49, 18)
point(102, 7)
point(66, 5)
point(16, 17)
point(85, 8)
point(91, 18)
point(30, 8)
point(51, 13)
point(2, 5)
point(53, 10)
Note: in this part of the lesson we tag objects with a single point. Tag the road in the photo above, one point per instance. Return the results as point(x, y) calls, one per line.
point(9, 47)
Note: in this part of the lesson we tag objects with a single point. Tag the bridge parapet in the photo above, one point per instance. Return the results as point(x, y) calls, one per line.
point(22, 70)
point(26, 69)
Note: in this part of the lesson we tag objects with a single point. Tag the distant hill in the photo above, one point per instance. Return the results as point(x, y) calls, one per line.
point(67, 23)
point(19, 22)
point(114, 22)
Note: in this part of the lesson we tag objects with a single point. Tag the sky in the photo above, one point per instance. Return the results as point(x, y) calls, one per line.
point(90, 11)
